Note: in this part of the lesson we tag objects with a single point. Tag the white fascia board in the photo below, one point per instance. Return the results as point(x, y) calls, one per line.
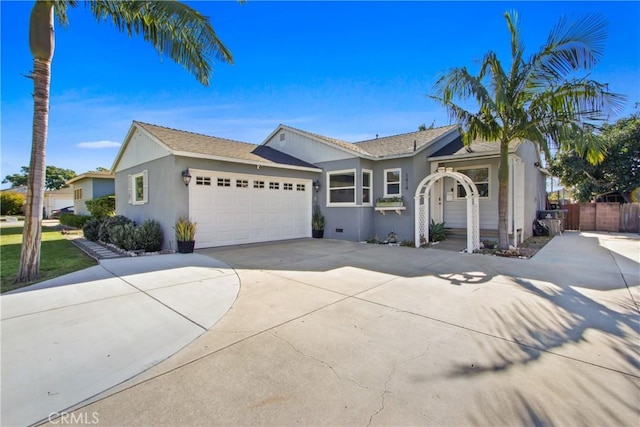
point(127, 138)
point(245, 162)
point(89, 176)
point(353, 153)
point(467, 156)
point(123, 147)
point(272, 134)
point(461, 157)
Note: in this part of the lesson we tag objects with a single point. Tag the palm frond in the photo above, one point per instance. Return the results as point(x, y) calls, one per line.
point(571, 46)
point(173, 28)
point(60, 8)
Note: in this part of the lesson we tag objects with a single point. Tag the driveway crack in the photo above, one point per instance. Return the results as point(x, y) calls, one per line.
point(384, 394)
point(320, 361)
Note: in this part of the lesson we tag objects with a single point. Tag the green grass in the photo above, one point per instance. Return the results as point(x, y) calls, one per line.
point(57, 257)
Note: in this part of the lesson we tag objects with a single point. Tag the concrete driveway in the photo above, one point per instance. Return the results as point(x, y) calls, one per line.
point(337, 333)
point(67, 339)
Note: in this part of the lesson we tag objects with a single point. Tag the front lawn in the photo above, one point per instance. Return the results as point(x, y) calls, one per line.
point(57, 257)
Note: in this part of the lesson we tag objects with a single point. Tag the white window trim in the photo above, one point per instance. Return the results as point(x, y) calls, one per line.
point(370, 172)
point(355, 187)
point(145, 188)
point(386, 194)
point(456, 183)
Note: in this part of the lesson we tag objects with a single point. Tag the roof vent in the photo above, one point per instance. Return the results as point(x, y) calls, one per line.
point(415, 146)
point(282, 136)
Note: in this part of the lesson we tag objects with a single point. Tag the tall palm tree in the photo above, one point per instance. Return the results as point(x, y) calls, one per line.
point(539, 99)
point(173, 28)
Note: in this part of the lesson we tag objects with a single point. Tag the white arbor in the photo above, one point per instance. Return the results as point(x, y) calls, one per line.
point(423, 194)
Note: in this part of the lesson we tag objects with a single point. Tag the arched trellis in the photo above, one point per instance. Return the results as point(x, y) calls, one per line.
point(422, 207)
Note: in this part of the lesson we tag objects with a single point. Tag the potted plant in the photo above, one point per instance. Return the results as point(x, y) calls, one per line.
point(317, 223)
point(185, 235)
point(390, 202)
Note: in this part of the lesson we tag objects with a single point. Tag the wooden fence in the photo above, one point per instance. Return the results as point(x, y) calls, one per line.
point(611, 217)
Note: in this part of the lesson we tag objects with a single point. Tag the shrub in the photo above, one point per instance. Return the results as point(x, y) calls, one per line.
point(437, 232)
point(102, 207)
point(103, 232)
point(72, 220)
point(489, 244)
point(124, 236)
point(318, 221)
point(185, 230)
point(11, 203)
point(91, 229)
point(149, 236)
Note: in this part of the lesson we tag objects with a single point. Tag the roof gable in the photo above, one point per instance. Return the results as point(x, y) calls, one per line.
point(344, 146)
point(91, 175)
point(190, 144)
point(401, 145)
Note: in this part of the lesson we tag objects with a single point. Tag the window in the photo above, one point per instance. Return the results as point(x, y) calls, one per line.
point(139, 188)
point(342, 187)
point(392, 182)
point(366, 186)
point(242, 183)
point(274, 185)
point(203, 180)
point(287, 186)
point(479, 176)
point(224, 182)
point(258, 184)
point(300, 187)
point(77, 194)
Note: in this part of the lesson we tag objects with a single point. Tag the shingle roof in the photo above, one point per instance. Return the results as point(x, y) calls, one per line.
point(480, 146)
point(90, 174)
point(396, 145)
point(195, 143)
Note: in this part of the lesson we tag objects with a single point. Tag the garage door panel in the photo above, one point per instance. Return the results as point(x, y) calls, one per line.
point(244, 213)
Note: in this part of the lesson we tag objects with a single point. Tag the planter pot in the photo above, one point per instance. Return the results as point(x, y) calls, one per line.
point(389, 204)
point(317, 234)
point(186, 247)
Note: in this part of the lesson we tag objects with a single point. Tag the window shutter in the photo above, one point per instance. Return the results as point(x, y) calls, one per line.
point(129, 192)
point(145, 186)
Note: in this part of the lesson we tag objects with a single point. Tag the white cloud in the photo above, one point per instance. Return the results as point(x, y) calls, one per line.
point(99, 144)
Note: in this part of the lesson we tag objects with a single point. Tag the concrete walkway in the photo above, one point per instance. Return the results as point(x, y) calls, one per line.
point(67, 339)
point(329, 332)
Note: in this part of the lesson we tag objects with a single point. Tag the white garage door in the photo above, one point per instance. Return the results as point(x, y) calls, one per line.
point(232, 209)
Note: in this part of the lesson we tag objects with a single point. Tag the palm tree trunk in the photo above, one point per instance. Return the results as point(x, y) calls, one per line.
point(503, 195)
point(41, 43)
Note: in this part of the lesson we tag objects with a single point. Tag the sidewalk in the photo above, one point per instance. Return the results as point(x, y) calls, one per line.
point(95, 250)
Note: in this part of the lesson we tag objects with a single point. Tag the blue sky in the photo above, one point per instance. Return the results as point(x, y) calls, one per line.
point(349, 70)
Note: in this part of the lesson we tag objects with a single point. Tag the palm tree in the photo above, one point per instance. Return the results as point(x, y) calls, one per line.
point(173, 28)
point(539, 99)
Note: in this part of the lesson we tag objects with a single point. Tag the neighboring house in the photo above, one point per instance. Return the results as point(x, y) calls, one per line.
point(54, 199)
point(88, 186)
point(245, 193)
point(21, 189)
point(57, 199)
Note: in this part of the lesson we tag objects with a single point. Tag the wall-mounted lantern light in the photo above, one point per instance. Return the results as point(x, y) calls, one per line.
point(316, 185)
point(186, 177)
